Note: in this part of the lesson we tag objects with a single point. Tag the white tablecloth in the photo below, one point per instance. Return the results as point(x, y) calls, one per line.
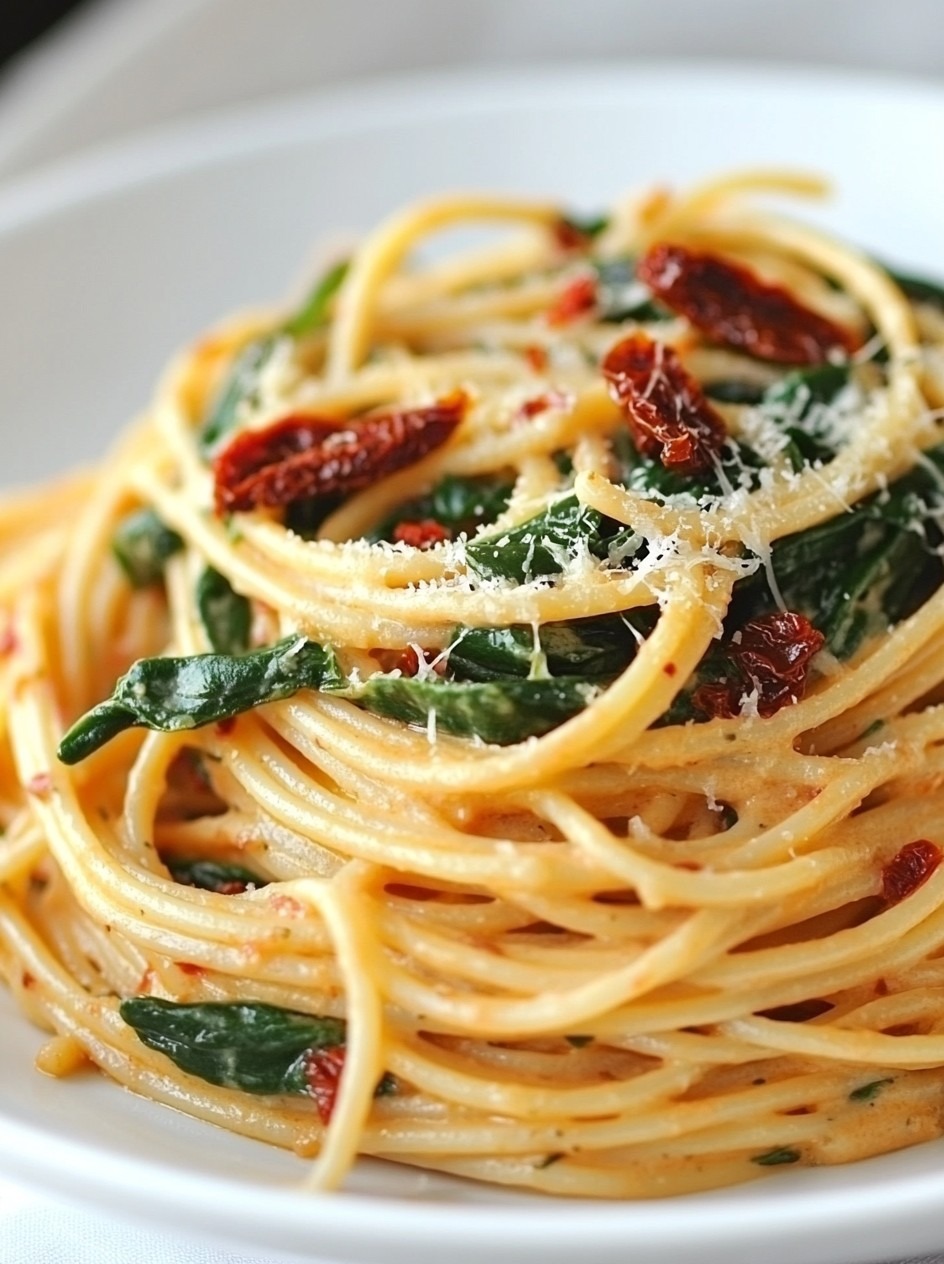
point(120, 67)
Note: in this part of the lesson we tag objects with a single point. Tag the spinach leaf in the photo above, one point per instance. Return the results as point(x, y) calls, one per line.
point(861, 572)
point(306, 516)
point(174, 694)
point(214, 875)
point(459, 503)
point(776, 1157)
point(543, 545)
point(225, 614)
point(239, 387)
point(243, 378)
point(249, 1046)
point(498, 711)
point(919, 289)
point(582, 647)
point(874, 579)
point(142, 544)
point(799, 405)
point(314, 312)
point(622, 296)
point(733, 390)
point(868, 1092)
point(589, 226)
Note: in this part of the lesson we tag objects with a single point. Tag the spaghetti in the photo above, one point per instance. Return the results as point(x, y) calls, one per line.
point(526, 750)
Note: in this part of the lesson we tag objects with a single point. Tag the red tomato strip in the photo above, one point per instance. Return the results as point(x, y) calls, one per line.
point(669, 417)
point(323, 1069)
point(731, 305)
point(908, 869)
point(577, 298)
point(421, 534)
point(771, 656)
point(301, 457)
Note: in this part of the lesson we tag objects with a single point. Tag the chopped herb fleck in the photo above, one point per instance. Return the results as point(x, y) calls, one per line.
point(215, 875)
point(142, 544)
point(773, 1158)
point(586, 225)
point(867, 1092)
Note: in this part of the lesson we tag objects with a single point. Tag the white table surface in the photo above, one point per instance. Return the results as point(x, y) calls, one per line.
point(125, 65)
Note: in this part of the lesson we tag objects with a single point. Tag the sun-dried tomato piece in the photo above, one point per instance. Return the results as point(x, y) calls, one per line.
point(323, 1068)
point(300, 457)
point(577, 298)
point(409, 661)
point(775, 653)
point(569, 235)
point(770, 657)
point(421, 534)
point(730, 304)
point(909, 868)
point(670, 418)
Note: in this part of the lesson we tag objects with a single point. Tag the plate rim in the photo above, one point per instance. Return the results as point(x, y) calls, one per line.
point(215, 136)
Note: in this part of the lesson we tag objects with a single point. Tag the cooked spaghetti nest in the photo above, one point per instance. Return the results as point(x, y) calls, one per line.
point(560, 888)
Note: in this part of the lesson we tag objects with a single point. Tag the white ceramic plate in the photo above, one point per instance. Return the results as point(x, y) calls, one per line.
point(112, 261)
